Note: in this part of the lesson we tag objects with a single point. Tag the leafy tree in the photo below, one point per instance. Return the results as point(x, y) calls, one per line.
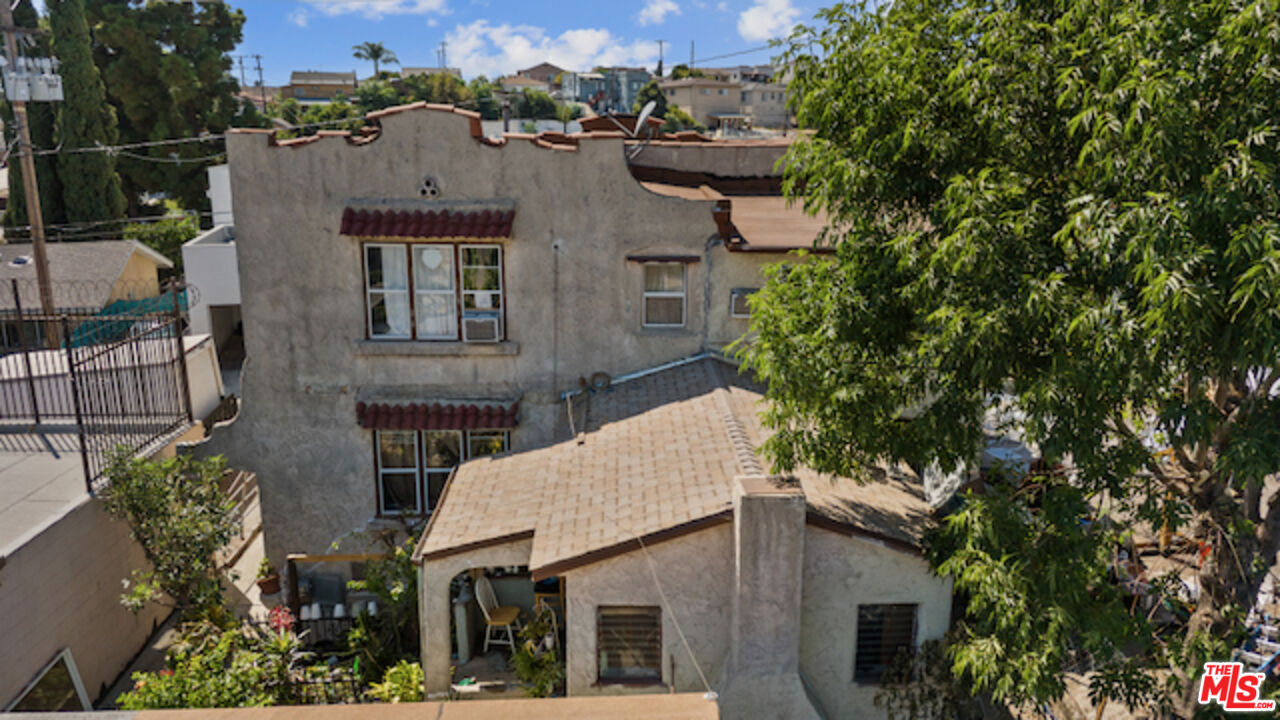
point(392, 635)
point(564, 113)
point(650, 91)
point(1067, 208)
point(678, 119)
point(179, 515)
point(376, 53)
point(486, 103)
point(682, 71)
point(165, 236)
point(536, 104)
point(376, 95)
point(90, 185)
point(40, 117)
point(443, 88)
point(168, 75)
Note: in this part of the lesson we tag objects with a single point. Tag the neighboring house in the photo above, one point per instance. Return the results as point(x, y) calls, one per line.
point(209, 262)
point(543, 72)
point(714, 103)
point(622, 86)
point(765, 104)
point(90, 277)
point(519, 83)
point(585, 87)
point(410, 71)
point(741, 73)
point(122, 379)
point(681, 564)
point(431, 279)
point(311, 86)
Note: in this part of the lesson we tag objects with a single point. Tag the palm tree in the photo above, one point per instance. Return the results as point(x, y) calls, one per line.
point(375, 52)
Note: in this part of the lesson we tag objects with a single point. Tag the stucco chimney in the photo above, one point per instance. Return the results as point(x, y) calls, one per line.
point(761, 676)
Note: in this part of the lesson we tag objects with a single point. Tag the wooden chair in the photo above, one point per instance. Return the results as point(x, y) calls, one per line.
point(506, 617)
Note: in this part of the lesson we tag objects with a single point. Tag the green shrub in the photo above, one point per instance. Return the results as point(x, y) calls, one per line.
point(538, 667)
point(401, 683)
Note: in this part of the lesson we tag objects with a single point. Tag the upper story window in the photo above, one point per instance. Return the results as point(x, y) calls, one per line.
point(664, 294)
point(412, 291)
point(738, 303)
point(883, 632)
point(724, 91)
point(703, 91)
point(746, 96)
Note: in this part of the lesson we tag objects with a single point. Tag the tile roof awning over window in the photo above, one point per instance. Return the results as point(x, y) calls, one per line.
point(427, 223)
point(434, 416)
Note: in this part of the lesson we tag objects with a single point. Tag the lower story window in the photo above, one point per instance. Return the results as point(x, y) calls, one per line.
point(629, 643)
point(883, 632)
point(413, 465)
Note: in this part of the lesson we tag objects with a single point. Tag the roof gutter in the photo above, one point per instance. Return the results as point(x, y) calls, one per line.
point(642, 373)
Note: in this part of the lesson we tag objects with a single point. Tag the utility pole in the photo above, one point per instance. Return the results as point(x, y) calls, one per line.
point(690, 54)
point(262, 88)
point(30, 187)
point(660, 42)
point(240, 63)
point(444, 54)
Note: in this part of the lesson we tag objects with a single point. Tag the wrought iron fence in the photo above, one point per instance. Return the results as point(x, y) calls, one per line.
point(118, 372)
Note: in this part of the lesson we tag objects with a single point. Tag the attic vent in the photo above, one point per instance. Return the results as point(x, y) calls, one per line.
point(20, 260)
point(429, 188)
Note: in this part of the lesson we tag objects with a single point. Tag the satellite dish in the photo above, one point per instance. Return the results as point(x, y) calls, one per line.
point(644, 117)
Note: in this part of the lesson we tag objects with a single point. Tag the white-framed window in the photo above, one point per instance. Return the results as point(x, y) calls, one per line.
point(386, 280)
point(399, 491)
point(433, 291)
point(56, 688)
point(746, 97)
point(703, 91)
point(413, 465)
point(738, 306)
point(664, 294)
point(883, 632)
point(724, 91)
point(434, 282)
point(481, 292)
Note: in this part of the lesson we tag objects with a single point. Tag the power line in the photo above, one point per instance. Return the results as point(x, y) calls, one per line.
point(74, 227)
point(732, 54)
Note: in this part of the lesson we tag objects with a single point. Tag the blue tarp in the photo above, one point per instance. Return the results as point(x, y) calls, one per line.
point(118, 317)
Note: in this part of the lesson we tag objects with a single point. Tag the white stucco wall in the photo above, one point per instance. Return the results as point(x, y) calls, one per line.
point(209, 263)
point(696, 572)
point(841, 573)
point(62, 589)
point(204, 377)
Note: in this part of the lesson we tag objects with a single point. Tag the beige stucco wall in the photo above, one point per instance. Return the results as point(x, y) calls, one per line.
point(731, 270)
point(137, 280)
point(696, 572)
point(435, 610)
point(62, 589)
point(573, 301)
point(841, 573)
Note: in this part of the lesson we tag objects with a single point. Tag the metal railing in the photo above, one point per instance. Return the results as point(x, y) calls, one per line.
point(119, 373)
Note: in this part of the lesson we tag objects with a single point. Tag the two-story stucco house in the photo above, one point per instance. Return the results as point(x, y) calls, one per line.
point(519, 342)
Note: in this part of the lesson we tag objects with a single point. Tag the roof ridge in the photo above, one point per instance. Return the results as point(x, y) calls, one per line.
point(744, 453)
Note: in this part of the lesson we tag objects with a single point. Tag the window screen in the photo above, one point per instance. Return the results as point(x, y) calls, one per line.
point(883, 632)
point(663, 294)
point(629, 642)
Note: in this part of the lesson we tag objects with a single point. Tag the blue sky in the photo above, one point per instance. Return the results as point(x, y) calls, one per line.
point(495, 37)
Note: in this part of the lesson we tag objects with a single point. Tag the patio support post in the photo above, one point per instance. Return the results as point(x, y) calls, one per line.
point(434, 623)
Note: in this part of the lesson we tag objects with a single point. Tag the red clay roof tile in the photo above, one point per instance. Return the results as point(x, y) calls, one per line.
point(427, 224)
point(434, 416)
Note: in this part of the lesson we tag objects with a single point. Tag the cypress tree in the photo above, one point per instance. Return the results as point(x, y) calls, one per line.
point(40, 117)
point(90, 185)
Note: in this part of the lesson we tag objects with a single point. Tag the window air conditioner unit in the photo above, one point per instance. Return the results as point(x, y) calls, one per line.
point(481, 328)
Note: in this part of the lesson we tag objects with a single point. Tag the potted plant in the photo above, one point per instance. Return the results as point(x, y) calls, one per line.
point(268, 578)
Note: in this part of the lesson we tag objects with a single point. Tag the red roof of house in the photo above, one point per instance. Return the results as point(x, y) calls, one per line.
point(428, 223)
point(433, 416)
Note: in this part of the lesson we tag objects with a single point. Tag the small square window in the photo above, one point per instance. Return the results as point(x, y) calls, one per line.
point(883, 632)
point(629, 644)
point(738, 305)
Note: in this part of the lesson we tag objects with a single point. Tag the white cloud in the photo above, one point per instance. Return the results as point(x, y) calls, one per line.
point(299, 17)
point(767, 19)
point(481, 48)
point(377, 9)
point(432, 22)
point(722, 6)
point(655, 11)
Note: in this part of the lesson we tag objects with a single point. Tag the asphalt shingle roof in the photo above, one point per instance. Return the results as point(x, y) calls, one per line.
point(654, 454)
point(83, 273)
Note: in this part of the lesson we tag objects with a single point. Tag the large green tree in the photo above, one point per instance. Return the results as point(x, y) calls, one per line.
point(167, 72)
point(90, 185)
point(40, 116)
point(376, 53)
point(1067, 208)
point(651, 91)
